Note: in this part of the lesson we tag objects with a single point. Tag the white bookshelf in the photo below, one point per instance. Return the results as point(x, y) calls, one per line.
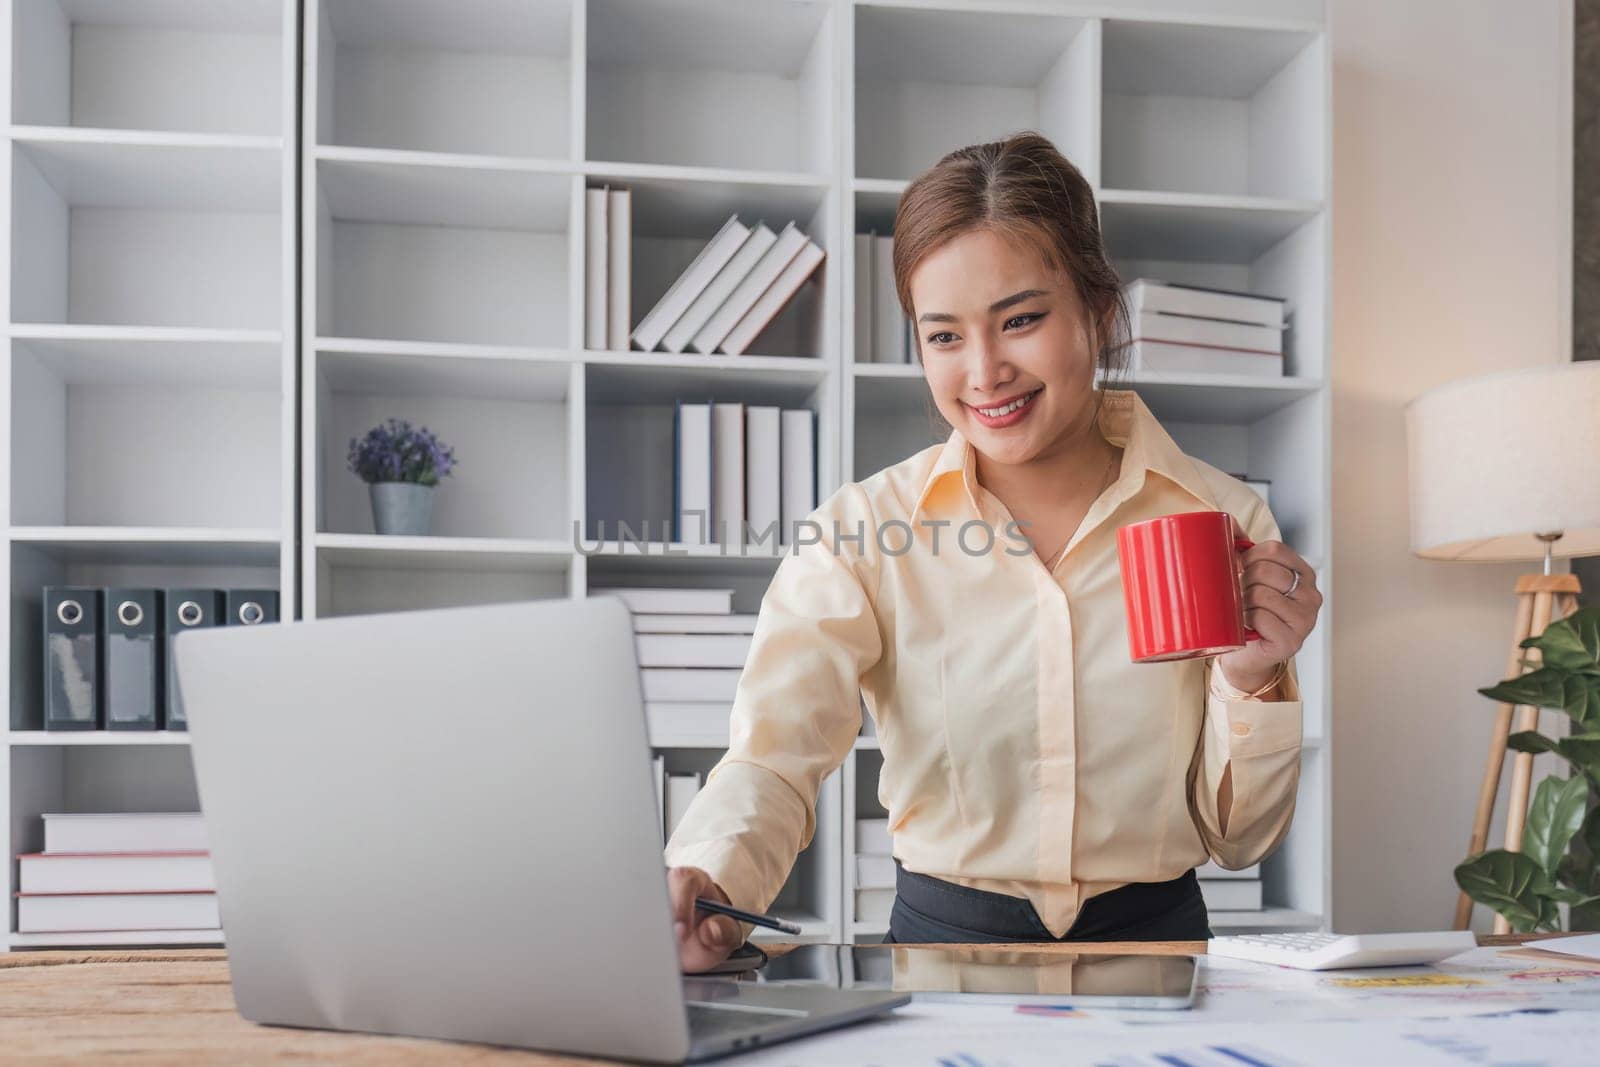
point(150, 358)
point(442, 155)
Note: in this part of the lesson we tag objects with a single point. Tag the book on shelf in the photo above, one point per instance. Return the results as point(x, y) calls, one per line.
point(1187, 329)
point(874, 871)
point(773, 300)
point(647, 623)
point(692, 482)
point(790, 240)
point(763, 470)
point(798, 482)
point(1231, 894)
point(891, 329)
point(1210, 871)
point(596, 282)
point(1149, 294)
point(874, 905)
point(698, 717)
point(673, 601)
point(692, 650)
point(712, 257)
point(681, 791)
point(727, 474)
point(88, 913)
point(115, 872)
point(125, 832)
point(715, 294)
point(619, 262)
point(1163, 357)
point(694, 684)
point(866, 276)
point(872, 836)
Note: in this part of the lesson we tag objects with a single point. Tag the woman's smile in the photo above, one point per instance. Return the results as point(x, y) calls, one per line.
point(1007, 412)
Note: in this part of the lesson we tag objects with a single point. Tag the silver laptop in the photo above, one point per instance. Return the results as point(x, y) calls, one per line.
point(444, 824)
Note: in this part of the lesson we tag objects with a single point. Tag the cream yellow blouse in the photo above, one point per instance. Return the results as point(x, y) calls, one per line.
point(1023, 753)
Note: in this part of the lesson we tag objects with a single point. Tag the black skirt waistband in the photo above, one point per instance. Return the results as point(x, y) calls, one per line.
point(929, 909)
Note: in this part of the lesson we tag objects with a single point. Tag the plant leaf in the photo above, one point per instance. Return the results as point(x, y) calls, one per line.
point(1571, 643)
point(1530, 741)
point(1563, 895)
point(1555, 816)
point(1513, 885)
point(1580, 697)
point(1583, 752)
point(1591, 835)
point(1543, 688)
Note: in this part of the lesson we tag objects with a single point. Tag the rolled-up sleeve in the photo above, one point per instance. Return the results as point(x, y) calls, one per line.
point(1256, 745)
point(796, 712)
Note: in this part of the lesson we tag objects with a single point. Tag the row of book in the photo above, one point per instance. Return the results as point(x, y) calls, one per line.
point(106, 661)
point(730, 292)
point(742, 474)
point(122, 871)
point(1185, 329)
point(883, 331)
point(691, 647)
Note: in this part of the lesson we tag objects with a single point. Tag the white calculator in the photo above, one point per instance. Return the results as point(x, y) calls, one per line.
point(1326, 952)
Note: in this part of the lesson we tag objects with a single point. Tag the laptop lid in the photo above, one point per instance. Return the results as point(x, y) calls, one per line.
point(439, 824)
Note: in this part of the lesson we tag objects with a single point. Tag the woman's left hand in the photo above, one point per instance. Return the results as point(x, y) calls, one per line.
point(1276, 606)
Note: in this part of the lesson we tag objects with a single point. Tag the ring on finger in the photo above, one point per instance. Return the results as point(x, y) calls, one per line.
point(1289, 592)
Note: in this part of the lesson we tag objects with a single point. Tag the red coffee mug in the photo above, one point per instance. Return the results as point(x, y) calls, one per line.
point(1182, 583)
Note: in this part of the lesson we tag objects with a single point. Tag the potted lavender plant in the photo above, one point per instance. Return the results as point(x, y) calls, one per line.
point(401, 464)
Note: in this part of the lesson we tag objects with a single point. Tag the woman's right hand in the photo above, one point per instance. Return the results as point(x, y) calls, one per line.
point(704, 940)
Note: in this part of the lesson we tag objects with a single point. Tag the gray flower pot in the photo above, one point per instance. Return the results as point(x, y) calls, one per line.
point(403, 508)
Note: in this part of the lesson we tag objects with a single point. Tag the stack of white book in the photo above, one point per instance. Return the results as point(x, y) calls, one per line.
point(1226, 890)
point(883, 331)
point(115, 872)
point(608, 253)
point(874, 871)
point(1184, 329)
point(742, 474)
point(731, 291)
point(691, 649)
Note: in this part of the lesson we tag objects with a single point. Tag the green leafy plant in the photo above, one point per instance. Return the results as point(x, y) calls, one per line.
point(1560, 858)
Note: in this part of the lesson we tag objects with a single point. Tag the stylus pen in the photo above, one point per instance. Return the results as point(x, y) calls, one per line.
point(747, 916)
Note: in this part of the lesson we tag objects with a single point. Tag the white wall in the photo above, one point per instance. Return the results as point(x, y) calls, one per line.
point(1452, 252)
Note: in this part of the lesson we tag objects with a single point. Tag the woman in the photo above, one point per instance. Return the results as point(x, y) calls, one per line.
point(1040, 786)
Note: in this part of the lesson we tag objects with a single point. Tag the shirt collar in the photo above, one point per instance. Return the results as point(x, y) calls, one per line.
point(1124, 420)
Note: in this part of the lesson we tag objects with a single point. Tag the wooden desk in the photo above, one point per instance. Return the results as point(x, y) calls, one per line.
point(176, 1006)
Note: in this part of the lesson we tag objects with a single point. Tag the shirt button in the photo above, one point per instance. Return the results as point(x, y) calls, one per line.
point(1241, 729)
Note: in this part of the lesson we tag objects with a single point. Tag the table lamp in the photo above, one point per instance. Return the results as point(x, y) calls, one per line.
point(1507, 467)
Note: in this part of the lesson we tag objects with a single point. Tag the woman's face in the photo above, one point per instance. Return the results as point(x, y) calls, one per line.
point(1005, 346)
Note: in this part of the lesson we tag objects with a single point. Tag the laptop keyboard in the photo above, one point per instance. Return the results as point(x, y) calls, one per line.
point(707, 1023)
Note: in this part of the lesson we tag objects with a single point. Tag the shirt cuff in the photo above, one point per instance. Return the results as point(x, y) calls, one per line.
point(1250, 726)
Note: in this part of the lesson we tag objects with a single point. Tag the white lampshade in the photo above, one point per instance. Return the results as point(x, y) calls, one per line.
point(1497, 459)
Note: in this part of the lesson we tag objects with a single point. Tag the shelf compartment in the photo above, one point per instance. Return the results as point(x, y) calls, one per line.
point(220, 559)
point(352, 582)
point(437, 252)
point(712, 83)
point(507, 419)
point(156, 65)
point(482, 76)
point(109, 447)
point(663, 378)
point(1230, 399)
point(144, 234)
point(929, 82)
point(1214, 109)
point(674, 217)
point(1273, 248)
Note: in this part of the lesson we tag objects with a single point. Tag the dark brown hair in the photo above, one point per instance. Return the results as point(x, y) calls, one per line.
point(1023, 189)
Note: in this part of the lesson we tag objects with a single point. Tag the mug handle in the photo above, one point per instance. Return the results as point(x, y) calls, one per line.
point(1242, 543)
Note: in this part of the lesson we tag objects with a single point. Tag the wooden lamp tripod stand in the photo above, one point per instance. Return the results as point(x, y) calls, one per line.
point(1540, 598)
